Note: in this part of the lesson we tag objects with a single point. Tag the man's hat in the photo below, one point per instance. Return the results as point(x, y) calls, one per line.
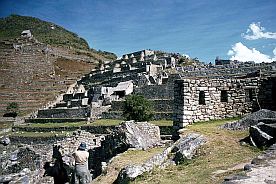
point(82, 146)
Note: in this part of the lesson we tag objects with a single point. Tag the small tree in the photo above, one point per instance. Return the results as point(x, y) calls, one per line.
point(11, 110)
point(137, 108)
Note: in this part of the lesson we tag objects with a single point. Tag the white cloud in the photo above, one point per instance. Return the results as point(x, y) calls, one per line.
point(242, 53)
point(256, 31)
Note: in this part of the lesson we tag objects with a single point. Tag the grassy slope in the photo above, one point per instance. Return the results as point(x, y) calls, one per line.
point(222, 151)
point(12, 26)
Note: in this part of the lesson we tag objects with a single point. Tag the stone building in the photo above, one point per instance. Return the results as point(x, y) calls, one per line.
point(202, 99)
point(26, 34)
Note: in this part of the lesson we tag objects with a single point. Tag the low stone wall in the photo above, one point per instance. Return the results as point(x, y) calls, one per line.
point(43, 129)
point(54, 120)
point(65, 113)
point(35, 140)
point(119, 115)
point(112, 115)
point(159, 105)
point(15, 121)
point(98, 129)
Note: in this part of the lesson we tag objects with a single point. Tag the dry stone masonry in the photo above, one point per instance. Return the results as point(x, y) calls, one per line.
point(207, 99)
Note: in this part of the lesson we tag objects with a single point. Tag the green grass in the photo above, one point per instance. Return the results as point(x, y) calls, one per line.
point(124, 159)
point(222, 151)
point(52, 125)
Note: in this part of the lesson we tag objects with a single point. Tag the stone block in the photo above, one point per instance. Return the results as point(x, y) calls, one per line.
point(188, 113)
point(202, 88)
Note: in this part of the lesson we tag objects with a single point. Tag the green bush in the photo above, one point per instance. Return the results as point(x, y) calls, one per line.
point(11, 110)
point(137, 108)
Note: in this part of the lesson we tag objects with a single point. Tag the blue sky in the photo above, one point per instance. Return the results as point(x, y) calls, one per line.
point(203, 29)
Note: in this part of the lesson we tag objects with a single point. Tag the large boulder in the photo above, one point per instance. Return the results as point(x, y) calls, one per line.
point(139, 135)
point(5, 141)
point(186, 147)
point(263, 135)
point(129, 173)
point(263, 115)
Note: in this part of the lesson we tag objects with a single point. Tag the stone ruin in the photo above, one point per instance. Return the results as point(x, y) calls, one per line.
point(74, 104)
point(194, 93)
point(202, 99)
point(113, 82)
point(29, 163)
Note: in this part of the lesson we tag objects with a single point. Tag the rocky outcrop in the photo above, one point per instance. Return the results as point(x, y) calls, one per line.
point(263, 135)
point(261, 170)
point(181, 150)
point(185, 147)
point(5, 141)
point(138, 135)
point(262, 115)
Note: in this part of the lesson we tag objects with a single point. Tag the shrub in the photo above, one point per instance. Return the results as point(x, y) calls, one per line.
point(11, 110)
point(137, 108)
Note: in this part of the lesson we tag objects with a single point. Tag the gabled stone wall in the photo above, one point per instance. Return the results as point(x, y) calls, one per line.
point(243, 96)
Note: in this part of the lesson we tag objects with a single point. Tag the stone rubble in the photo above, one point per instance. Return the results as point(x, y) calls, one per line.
point(181, 150)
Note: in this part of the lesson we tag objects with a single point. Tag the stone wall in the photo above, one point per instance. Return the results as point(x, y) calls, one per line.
point(159, 105)
point(119, 115)
point(241, 98)
point(228, 71)
point(164, 91)
point(155, 92)
point(82, 112)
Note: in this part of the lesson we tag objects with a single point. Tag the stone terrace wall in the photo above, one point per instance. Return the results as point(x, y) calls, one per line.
point(83, 112)
point(108, 78)
point(158, 105)
point(186, 99)
point(119, 115)
point(155, 92)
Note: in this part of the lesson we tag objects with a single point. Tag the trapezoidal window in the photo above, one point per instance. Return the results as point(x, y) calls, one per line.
point(201, 98)
point(223, 96)
point(249, 95)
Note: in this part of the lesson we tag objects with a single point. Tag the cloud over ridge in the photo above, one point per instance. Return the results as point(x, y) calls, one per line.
point(256, 31)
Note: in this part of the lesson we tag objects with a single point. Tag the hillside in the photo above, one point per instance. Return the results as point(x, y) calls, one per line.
point(32, 73)
point(45, 32)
